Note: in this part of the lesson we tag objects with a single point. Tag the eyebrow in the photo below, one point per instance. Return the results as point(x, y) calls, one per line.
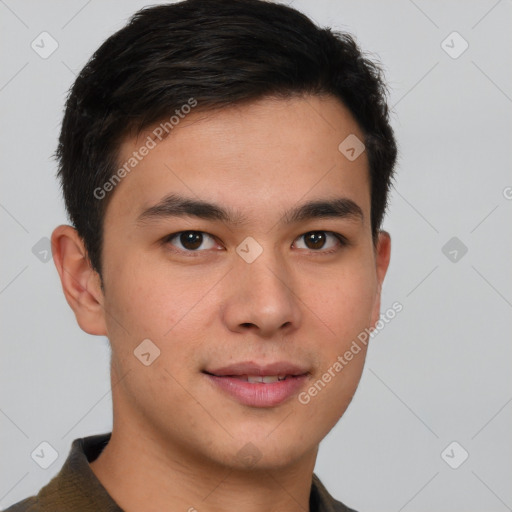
point(175, 205)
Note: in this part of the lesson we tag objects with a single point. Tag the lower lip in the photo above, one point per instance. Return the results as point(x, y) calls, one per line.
point(257, 394)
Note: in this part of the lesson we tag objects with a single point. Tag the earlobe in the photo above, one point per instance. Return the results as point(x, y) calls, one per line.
point(80, 282)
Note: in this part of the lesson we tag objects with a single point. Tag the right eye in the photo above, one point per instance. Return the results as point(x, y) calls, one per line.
point(190, 241)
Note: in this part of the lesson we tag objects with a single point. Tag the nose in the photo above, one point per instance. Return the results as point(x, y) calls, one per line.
point(260, 297)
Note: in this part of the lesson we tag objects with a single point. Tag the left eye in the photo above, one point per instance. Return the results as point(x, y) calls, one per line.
point(191, 241)
point(316, 240)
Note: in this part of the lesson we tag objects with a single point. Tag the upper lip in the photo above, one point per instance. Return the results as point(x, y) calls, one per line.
point(252, 368)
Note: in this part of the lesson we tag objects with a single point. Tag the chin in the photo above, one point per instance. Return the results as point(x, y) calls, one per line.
point(260, 452)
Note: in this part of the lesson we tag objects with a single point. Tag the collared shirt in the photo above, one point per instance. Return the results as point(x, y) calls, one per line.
point(77, 489)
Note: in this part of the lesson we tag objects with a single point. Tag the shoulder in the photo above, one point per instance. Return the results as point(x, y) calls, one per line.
point(27, 505)
point(75, 486)
point(322, 501)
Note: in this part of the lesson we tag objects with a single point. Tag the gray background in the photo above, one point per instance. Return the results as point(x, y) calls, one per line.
point(438, 373)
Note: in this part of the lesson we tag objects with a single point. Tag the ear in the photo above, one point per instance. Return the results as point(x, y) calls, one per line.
point(382, 256)
point(81, 284)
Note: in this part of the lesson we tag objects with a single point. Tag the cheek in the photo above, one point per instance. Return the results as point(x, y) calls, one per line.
point(146, 301)
point(344, 303)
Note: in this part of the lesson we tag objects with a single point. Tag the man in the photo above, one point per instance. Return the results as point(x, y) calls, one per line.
point(225, 166)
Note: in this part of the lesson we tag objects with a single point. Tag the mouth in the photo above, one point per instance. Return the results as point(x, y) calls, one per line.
point(250, 369)
point(256, 385)
point(262, 379)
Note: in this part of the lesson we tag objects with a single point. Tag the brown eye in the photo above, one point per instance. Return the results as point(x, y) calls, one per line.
point(317, 240)
point(190, 240)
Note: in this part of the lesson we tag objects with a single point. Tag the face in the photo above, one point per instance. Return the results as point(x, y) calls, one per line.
point(252, 283)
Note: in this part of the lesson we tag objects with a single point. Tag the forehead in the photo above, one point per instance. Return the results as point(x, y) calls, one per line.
point(249, 157)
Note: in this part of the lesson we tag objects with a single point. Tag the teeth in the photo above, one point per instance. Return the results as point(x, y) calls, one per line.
point(267, 379)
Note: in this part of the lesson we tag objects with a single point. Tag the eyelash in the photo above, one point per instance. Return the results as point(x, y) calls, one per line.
point(343, 242)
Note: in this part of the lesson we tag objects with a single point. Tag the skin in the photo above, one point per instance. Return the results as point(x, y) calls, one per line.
point(175, 437)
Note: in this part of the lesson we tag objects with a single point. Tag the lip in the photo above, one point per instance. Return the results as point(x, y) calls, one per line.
point(256, 394)
point(252, 368)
